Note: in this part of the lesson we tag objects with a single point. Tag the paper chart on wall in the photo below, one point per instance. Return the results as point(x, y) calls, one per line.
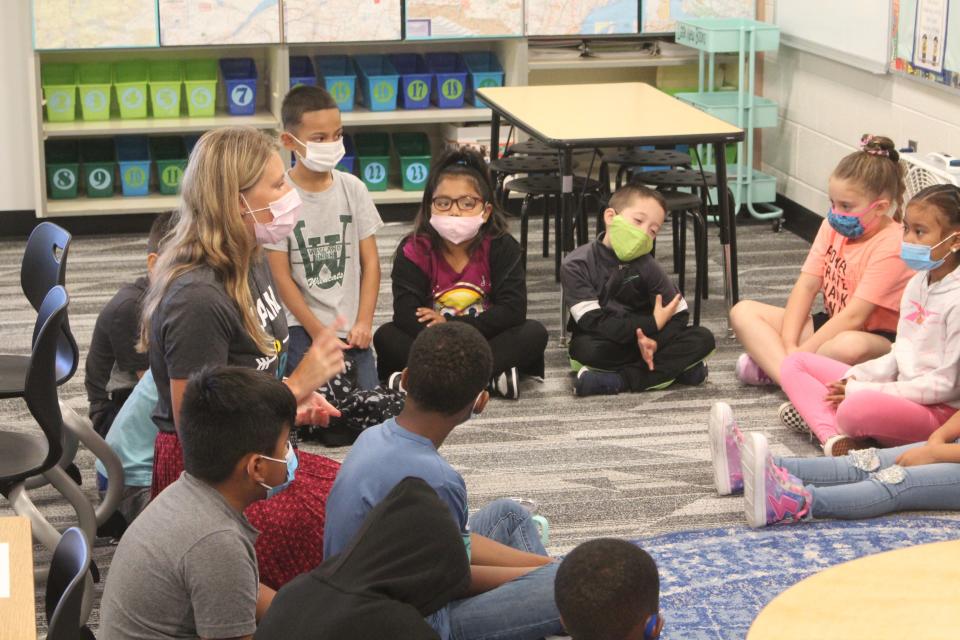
point(91, 24)
point(930, 35)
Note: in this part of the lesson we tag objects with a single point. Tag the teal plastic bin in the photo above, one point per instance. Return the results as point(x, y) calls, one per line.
point(130, 79)
point(378, 82)
point(166, 82)
point(63, 168)
point(133, 158)
point(722, 35)
point(413, 149)
point(337, 75)
point(723, 105)
point(170, 156)
point(59, 83)
point(483, 70)
point(200, 79)
point(99, 167)
point(373, 154)
point(95, 79)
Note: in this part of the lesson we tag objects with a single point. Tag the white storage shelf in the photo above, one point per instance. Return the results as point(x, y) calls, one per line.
point(116, 126)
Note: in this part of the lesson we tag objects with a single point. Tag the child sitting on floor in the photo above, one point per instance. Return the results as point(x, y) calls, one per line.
point(865, 483)
point(609, 589)
point(903, 396)
point(629, 322)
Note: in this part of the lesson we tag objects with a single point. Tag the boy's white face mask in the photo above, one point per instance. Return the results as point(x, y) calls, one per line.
point(321, 157)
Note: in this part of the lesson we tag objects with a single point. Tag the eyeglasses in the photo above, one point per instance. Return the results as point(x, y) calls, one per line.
point(464, 203)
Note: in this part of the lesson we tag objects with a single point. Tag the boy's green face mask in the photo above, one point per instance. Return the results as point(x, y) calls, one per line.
point(628, 242)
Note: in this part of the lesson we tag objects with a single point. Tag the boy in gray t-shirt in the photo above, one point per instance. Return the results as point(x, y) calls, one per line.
point(328, 267)
point(187, 567)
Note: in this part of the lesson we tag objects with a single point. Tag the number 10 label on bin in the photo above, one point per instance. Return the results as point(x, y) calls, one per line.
point(135, 177)
point(374, 173)
point(416, 173)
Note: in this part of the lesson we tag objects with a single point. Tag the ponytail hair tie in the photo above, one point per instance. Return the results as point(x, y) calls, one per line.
point(867, 146)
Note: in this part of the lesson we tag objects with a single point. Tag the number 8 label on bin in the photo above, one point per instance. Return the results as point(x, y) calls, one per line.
point(64, 179)
point(374, 172)
point(416, 173)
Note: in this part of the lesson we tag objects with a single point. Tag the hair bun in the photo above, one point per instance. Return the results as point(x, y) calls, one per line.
point(879, 146)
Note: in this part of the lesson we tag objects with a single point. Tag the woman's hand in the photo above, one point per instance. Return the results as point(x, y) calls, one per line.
point(429, 317)
point(315, 409)
point(322, 361)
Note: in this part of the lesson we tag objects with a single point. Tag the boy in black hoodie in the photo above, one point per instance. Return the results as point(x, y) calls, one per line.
point(406, 562)
point(629, 322)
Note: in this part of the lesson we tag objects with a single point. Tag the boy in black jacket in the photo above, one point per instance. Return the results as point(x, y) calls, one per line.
point(629, 322)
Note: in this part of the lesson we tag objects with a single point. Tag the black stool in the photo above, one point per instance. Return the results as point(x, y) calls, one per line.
point(550, 187)
point(514, 164)
point(630, 158)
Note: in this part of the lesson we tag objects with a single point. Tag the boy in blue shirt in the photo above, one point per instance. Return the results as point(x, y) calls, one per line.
point(511, 575)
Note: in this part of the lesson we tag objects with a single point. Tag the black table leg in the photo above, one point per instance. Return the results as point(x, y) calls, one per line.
point(495, 136)
point(728, 230)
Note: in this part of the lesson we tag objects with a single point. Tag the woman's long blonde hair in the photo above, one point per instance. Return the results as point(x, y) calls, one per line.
point(210, 230)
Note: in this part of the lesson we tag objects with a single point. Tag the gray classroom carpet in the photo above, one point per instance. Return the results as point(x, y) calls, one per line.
point(626, 466)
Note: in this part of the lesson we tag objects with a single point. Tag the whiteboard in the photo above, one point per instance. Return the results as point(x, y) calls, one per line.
point(855, 32)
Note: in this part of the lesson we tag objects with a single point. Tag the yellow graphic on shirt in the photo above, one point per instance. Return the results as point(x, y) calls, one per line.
point(462, 299)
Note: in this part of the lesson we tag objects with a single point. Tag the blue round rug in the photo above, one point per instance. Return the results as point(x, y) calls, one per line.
point(714, 582)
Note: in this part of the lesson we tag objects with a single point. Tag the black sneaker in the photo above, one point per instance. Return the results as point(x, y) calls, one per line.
point(591, 382)
point(393, 382)
point(506, 385)
point(791, 418)
point(694, 375)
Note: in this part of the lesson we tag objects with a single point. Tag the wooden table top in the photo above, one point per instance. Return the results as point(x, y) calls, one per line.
point(18, 618)
point(606, 114)
point(906, 593)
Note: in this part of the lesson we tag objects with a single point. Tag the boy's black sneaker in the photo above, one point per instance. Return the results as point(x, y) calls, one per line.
point(506, 385)
point(393, 382)
point(591, 382)
point(694, 375)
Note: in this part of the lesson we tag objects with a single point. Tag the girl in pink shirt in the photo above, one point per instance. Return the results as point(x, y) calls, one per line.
point(854, 263)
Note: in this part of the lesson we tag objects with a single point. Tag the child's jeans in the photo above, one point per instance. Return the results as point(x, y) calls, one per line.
point(363, 360)
point(522, 609)
point(888, 419)
point(868, 483)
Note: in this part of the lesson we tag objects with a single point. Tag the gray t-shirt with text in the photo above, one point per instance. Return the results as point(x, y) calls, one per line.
point(324, 247)
point(185, 568)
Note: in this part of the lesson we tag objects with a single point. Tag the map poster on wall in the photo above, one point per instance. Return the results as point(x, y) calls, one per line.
point(660, 16)
point(341, 20)
point(92, 24)
point(581, 17)
point(200, 22)
point(930, 35)
point(463, 18)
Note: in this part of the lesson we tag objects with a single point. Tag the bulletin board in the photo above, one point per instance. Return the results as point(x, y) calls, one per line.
point(926, 41)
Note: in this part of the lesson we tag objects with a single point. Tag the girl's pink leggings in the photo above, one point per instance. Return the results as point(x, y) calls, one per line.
point(888, 419)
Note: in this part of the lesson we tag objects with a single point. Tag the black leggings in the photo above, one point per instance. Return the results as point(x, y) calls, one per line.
point(521, 346)
point(688, 347)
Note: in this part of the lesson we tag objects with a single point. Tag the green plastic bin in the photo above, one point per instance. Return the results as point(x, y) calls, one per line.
point(414, 152)
point(99, 165)
point(722, 35)
point(200, 78)
point(130, 79)
point(63, 168)
point(165, 80)
point(373, 153)
point(724, 105)
point(170, 156)
point(94, 79)
point(60, 91)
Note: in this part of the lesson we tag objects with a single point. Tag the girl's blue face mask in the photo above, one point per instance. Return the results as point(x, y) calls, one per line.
point(917, 256)
point(849, 224)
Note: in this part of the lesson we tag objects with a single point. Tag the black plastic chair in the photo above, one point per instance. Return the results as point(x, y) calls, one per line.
point(43, 267)
point(65, 586)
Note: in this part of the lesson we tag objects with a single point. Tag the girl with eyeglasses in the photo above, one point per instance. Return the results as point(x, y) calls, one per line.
point(460, 264)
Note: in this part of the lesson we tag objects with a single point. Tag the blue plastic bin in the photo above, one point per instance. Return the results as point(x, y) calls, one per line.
point(337, 75)
point(301, 72)
point(449, 79)
point(378, 82)
point(415, 79)
point(350, 157)
point(483, 70)
point(240, 80)
point(133, 158)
